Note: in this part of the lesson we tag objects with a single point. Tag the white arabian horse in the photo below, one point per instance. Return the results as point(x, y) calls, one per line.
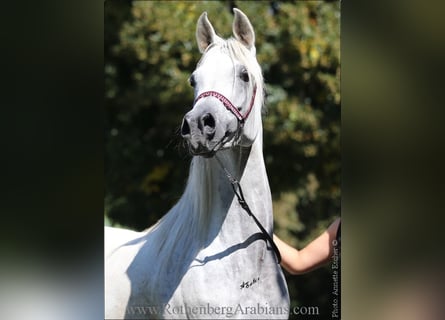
point(207, 258)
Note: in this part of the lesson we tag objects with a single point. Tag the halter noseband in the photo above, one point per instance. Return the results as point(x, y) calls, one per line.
point(229, 105)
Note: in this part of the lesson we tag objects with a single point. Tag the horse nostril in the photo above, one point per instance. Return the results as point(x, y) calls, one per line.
point(185, 128)
point(208, 121)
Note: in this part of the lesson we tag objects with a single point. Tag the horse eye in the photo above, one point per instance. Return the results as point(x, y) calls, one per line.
point(192, 81)
point(244, 75)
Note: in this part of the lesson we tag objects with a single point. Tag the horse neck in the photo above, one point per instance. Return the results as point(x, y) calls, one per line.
point(208, 209)
point(215, 204)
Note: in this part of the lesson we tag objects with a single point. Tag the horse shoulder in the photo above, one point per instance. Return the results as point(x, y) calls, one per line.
point(121, 248)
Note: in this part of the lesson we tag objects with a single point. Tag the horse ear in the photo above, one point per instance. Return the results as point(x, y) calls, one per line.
point(205, 34)
point(243, 30)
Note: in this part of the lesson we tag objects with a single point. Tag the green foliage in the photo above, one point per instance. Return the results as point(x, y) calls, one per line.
point(150, 51)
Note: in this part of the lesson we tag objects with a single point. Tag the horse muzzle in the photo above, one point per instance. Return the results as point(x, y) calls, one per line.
point(199, 132)
point(203, 135)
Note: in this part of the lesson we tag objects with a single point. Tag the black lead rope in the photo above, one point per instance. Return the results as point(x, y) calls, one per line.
point(242, 201)
point(239, 195)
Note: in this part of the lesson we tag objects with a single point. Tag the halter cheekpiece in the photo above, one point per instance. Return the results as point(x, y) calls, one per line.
point(228, 104)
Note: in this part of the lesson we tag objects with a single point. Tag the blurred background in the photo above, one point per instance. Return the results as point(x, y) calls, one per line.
point(53, 147)
point(150, 51)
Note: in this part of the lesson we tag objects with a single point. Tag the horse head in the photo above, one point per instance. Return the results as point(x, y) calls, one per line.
point(228, 89)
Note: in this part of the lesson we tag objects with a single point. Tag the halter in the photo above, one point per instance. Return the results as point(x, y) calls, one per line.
point(229, 105)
